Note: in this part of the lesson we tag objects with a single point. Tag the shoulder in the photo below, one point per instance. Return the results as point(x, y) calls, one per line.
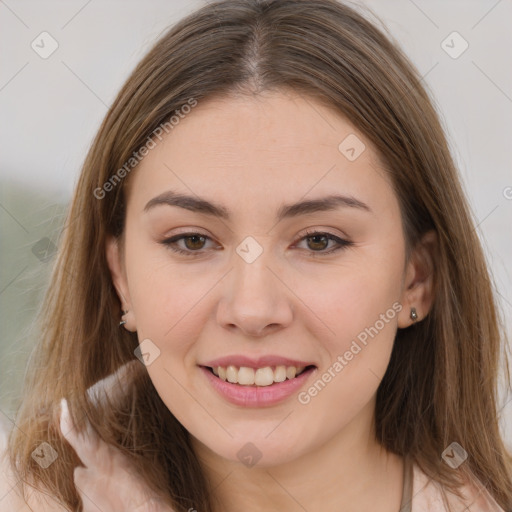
point(427, 496)
point(11, 490)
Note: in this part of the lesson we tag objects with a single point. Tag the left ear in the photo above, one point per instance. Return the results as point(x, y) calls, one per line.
point(418, 290)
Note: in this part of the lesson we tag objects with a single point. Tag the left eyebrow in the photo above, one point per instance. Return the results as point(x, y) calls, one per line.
point(201, 205)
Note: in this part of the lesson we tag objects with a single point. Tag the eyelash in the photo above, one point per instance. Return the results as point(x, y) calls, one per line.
point(170, 243)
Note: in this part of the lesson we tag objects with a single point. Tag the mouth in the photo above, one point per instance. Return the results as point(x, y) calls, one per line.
point(257, 377)
point(257, 387)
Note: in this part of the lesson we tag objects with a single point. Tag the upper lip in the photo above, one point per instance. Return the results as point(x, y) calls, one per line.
point(257, 362)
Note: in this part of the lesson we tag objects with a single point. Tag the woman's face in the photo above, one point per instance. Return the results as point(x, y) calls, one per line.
point(251, 289)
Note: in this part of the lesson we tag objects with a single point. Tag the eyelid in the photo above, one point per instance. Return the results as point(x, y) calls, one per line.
point(322, 231)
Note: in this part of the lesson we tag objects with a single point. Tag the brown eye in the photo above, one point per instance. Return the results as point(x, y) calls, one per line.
point(319, 242)
point(194, 242)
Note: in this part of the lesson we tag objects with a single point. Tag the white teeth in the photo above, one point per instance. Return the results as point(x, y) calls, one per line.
point(246, 376)
point(263, 376)
point(291, 371)
point(232, 374)
point(260, 377)
point(280, 374)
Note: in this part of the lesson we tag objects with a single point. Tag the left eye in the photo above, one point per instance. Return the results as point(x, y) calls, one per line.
point(194, 242)
point(321, 238)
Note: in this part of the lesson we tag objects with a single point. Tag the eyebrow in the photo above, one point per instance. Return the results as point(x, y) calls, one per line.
point(200, 205)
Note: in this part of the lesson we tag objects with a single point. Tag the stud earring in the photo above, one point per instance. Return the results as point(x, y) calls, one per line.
point(122, 322)
point(414, 315)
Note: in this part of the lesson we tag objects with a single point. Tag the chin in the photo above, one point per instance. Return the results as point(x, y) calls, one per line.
point(257, 450)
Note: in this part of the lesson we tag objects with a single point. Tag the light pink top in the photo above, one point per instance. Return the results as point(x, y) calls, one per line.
point(422, 494)
point(426, 494)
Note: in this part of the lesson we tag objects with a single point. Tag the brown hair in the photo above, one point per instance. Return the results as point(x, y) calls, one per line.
point(441, 383)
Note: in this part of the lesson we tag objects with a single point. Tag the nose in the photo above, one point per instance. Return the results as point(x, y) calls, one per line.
point(255, 299)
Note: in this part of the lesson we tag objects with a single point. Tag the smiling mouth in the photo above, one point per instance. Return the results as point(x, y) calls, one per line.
point(258, 377)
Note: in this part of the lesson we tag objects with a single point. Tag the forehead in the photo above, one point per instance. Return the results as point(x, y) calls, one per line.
point(254, 150)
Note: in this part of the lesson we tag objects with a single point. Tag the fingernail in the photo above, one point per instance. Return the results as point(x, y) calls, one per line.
point(66, 425)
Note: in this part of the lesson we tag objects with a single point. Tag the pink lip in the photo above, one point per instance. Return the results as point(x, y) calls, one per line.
point(260, 362)
point(256, 396)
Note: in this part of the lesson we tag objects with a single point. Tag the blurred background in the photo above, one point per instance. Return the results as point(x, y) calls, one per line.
point(64, 62)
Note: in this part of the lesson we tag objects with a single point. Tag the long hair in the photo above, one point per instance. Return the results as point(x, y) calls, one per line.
point(441, 383)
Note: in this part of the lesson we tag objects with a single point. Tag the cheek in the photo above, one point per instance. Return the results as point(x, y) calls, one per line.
point(360, 304)
point(166, 299)
point(363, 315)
point(364, 321)
point(164, 295)
point(355, 298)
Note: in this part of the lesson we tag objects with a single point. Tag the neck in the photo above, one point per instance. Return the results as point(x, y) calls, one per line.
point(350, 472)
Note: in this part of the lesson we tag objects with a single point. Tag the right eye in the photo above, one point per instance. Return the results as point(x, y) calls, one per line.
point(194, 242)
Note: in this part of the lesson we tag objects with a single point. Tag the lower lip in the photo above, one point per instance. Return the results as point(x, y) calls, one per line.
point(257, 396)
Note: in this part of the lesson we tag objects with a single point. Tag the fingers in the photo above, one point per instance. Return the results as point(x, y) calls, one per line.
point(85, 443)
point(106, 483)
point(114, 386)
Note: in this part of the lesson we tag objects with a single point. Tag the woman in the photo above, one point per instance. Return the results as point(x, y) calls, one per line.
point(270, 245)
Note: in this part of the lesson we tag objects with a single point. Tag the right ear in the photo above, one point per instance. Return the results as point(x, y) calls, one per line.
point(117, 271)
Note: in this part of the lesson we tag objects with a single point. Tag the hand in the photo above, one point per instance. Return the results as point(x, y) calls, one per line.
point(106, 483)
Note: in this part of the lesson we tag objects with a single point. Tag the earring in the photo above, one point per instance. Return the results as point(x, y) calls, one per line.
point(414, 315)
point(122, 322)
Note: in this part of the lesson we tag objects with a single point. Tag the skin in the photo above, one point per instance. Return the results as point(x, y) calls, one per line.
point(251, 155)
